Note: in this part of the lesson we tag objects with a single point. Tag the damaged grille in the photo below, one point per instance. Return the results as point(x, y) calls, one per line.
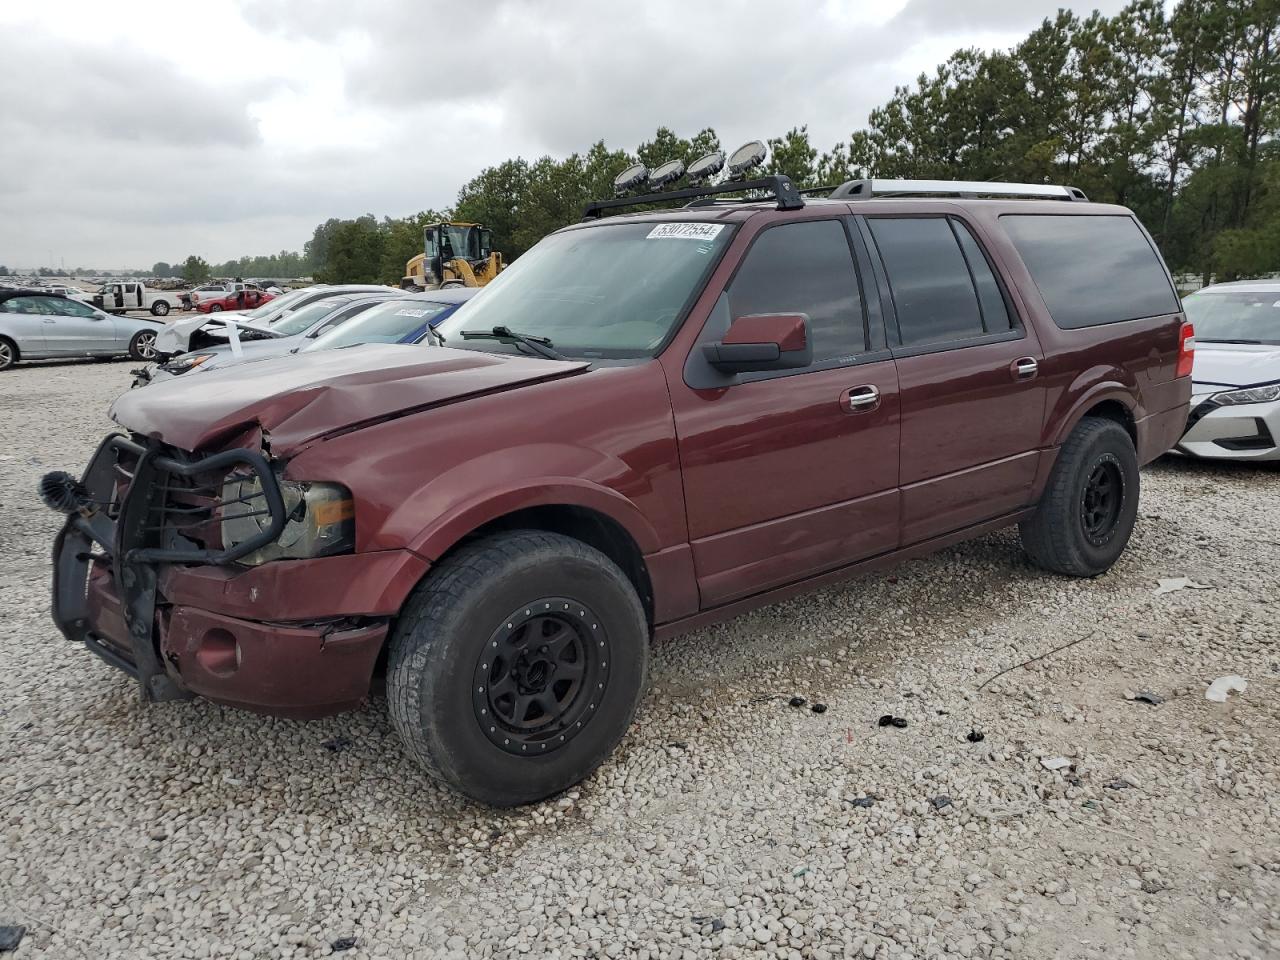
point(169, 505)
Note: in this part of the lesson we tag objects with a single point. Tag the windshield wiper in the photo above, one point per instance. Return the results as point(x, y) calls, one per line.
point(1206, 340)
point(539, 345)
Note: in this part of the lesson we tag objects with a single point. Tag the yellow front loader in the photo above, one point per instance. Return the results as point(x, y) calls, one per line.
point(454, 255)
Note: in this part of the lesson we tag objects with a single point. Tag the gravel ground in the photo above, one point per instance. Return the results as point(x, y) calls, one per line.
point(729, 823)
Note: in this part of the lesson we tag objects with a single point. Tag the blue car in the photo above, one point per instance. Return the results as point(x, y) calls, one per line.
point(405, 320)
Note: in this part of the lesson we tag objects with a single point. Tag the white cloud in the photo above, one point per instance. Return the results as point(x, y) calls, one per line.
point(226, 128)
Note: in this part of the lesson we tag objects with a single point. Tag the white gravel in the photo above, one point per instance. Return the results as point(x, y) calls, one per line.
point(726, 825)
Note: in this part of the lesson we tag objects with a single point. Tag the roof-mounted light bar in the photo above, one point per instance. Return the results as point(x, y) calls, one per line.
point(870, 189)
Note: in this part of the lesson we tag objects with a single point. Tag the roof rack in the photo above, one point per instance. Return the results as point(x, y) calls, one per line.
point(868, 189)
point(777, 186)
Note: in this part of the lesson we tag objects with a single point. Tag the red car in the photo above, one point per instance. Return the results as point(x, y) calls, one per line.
point(650, 423)
point(242, 296)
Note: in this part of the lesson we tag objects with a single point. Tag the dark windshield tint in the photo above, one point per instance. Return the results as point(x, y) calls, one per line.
point(1092, 270)
point(1252, 315)
point(610, 291)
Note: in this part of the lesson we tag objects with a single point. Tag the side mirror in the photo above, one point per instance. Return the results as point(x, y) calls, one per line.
point(762, 341)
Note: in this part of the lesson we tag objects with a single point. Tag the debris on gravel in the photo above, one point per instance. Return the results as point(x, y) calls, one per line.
point(765, 836)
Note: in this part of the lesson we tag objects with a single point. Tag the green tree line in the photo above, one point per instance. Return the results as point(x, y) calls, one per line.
point(1173, 113)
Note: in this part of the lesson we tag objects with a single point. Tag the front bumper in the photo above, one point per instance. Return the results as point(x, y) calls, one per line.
point(1248, 431)
point(295, 638)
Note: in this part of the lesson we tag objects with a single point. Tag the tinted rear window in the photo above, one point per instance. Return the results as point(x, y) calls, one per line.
point(1092, 270)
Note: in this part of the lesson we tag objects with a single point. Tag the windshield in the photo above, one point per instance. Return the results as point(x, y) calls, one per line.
point(609, 291)
point(279, 303)
point(1247, 315)
point(304, 318)
point(387, 322)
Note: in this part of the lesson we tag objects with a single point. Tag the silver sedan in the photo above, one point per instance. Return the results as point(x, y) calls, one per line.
point(37, 325)
point(1235, 393)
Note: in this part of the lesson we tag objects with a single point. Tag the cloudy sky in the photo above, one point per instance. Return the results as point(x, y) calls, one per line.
point(145, 131)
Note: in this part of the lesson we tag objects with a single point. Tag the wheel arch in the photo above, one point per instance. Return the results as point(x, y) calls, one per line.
point(587, 524)
point(1111, 400)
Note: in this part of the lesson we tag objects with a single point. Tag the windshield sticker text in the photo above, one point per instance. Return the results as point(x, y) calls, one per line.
point(406, 312)
point(685, 231)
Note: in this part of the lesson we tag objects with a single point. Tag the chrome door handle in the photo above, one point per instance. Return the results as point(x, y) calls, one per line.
point(865, 397)
point(1024, 368)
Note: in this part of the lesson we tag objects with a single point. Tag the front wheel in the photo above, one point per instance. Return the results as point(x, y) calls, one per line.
point(8, 353)
point(160, 309)
point(216, 308)
point(516, 666)
point(1086, 515)
point(143, 345)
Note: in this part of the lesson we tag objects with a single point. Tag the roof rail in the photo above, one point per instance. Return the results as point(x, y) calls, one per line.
point(780, 187)
point(868, 189)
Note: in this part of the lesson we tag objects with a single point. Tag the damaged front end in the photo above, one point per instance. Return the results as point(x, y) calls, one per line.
point(190, 573)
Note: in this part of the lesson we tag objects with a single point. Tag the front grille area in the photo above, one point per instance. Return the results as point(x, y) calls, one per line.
point(170, 505)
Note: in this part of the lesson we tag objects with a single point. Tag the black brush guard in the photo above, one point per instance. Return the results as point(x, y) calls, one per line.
point(137, 534)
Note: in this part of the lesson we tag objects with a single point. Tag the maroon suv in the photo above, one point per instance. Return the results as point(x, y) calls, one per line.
point(650, 422)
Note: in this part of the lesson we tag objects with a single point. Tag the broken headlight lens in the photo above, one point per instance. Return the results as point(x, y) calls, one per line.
point(188, 361)
point(321, 519)
point(1248, 395)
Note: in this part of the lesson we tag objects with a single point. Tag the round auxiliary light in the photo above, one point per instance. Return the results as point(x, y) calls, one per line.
point(630, 178)
point(665, 173)
point(706, 167)
point(746, 157)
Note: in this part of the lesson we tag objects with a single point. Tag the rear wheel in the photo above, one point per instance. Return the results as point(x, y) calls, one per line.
point(517, 665)
point(143, 345)
point(1087, 513)
point(160, 308)
point(8, 353)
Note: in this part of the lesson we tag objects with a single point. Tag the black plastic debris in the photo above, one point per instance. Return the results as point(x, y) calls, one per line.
point(796, 702)
point(1119, 783)
point(1145, 696)
point(889, 720)
point(337, 745)
point(717, 925)
point(10, 937)
point(679, 744)
point(940, 802)
point(862, 801)
point(819, 708)
point(343, 943)
point(976, 736)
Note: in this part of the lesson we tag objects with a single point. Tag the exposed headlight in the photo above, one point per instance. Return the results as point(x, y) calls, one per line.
point(321, 519)
point(1250, 395)
point(188, 361)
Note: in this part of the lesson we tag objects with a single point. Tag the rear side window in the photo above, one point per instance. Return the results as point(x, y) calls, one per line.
point(1092, 270)
point(943, 288)
point(807, 268)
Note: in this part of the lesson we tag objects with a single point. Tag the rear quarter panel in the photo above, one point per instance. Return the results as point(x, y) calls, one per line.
point(1131, 362)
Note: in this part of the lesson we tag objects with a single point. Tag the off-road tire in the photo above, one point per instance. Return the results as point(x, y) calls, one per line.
point(442, 638)
point(160, 309)
point(1056, 536)
point(8, 353)
point(143, 346)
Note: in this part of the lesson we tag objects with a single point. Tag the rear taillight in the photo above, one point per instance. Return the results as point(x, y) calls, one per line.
point(1186, 350)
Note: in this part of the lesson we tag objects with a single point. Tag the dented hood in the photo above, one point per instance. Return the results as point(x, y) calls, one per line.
point(294, 399)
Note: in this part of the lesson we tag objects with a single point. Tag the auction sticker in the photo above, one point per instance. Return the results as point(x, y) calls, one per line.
point(417, 314)
point(685, 231)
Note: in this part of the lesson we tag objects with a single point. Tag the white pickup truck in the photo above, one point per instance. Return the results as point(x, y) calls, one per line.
point(117, 296)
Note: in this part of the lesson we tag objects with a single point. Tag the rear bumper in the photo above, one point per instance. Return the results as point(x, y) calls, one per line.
point(1159, 432)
